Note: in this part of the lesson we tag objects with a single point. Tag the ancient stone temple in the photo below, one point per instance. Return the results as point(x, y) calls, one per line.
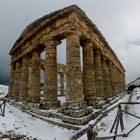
point(101, 74)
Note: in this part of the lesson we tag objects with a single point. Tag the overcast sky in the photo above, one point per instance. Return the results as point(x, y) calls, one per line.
point(118, 20)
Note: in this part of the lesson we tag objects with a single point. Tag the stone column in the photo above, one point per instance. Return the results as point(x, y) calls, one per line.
point(106, 80)
point(74, 73)
point(34, 94)
point(89, 88)
point(114, 80)
point(119, 81)
point(11, 82)
point(75, 108)
point(124, 83)
point(110, 69)
point(117, 76)
point(62, 89)
point(24, 79)
point(16, 88)
point(50, 81)
point(98, 74)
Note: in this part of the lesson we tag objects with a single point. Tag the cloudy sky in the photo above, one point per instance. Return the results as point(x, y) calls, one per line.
point(118, 20)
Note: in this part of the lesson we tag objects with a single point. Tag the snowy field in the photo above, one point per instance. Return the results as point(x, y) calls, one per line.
point(103, 128)
point(20, 122)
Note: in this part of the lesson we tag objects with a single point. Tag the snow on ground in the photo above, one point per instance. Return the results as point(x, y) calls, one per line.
point(103, 128)
point(130, 121)
point(22, 123)
point(3, 90)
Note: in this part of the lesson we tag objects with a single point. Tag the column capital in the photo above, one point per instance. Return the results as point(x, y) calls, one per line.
point(73, 32)
point(97, 51)
point(51, 41)
point(103, 58)
point(88, 43)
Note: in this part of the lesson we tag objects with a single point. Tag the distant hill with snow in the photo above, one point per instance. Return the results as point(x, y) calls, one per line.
point(3, 90)
point(135, 82)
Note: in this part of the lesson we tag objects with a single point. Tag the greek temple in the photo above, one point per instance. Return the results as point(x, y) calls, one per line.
point(93, 75)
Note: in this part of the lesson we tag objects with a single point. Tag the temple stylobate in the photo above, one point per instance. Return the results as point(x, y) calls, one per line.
point(100, 75)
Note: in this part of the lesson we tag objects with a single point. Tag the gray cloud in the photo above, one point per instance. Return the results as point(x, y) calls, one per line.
point(118, 21)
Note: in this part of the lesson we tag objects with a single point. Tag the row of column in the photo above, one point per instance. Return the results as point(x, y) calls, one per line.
point(25, 86)
point(100, 77)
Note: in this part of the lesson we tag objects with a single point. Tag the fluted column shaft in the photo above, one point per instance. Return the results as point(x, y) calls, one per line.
point(16, 88)
point(89, 88)
point(114, 80)
point(50, 81)
point(124, 83)
point(106, 80)
point(74, 74)
point(35, 77)
point(24, 79)
point(98, 74)
point(62, 90)
point(12, 78)
point(117, 73)
point(110, 69)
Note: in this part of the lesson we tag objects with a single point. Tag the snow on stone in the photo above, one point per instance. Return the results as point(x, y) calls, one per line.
point(22, 123)
point(103, 128)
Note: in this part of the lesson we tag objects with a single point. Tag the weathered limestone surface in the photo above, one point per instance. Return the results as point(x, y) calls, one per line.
point(106, 79)
point(98, 74)
point(50, 83)
point(89, 87)
point(62, 88)
point(75, 105)
point(11, 82)
point(110, 77)
point(16, 87)
point(74, 73)
point(101, 75)
point(24, 79)
point(34, 95)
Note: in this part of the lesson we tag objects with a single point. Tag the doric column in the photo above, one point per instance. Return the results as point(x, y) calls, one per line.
point(119, 81)
point(89, 88)
point(75, 106)
point(62, 90)
point(74, 73)
point(98, 74)
point(114, 79)
point(106, 80)
point(12, 78)
point(50, 81)
point(34, 94)
point(124, 83)
point(110, 69)
point(24, 79)
point(117, 74)
point(16, 88)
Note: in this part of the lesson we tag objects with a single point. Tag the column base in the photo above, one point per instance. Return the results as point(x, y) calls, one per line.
point(48, 104)
point(91, 101)
point(76, 113)
point(34, 99)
